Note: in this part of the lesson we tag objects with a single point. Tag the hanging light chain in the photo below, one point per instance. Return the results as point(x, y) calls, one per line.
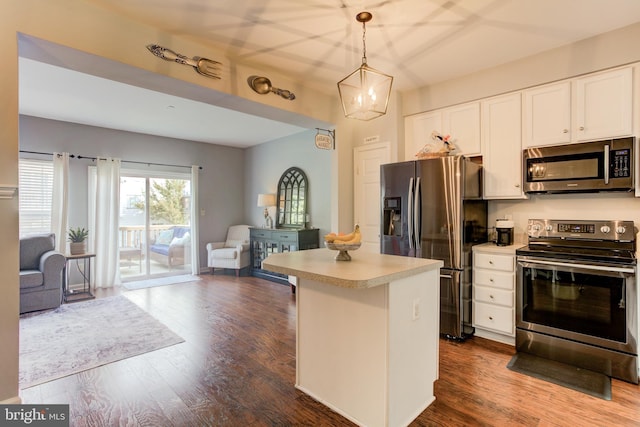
point(364, 43)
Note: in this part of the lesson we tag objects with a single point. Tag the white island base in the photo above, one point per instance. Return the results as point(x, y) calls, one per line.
point(367, 332)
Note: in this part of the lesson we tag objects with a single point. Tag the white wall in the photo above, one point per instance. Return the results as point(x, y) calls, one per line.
point(613, 206)
point(604, 51)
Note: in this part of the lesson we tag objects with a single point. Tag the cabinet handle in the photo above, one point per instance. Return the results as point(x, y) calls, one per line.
point(490, 317)
point(491, 280)
point(581, 128)
point(491, 296)
point(491, 262)
point(565, 131)
point(517, 185)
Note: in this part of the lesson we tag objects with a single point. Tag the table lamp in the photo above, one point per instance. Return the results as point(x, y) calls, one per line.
point(266, 201)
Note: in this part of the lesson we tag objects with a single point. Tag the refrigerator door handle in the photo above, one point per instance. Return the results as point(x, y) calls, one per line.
point(410, 213)
point(417, 215)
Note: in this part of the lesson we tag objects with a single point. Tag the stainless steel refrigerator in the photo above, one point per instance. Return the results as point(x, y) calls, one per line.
point(433, 208)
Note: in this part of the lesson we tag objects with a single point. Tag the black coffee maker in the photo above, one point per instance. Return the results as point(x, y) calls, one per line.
point(504, 231)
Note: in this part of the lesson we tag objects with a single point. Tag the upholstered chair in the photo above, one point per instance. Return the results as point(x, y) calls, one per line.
point(40, 273)
point(233, 253)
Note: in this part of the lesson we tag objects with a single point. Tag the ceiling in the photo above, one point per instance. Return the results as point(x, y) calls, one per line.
point(419, 42)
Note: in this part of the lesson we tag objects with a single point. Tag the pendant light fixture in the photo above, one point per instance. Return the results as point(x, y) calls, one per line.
point(365, 92)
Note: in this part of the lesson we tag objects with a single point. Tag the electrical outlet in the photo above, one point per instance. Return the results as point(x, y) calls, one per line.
point(416, 309)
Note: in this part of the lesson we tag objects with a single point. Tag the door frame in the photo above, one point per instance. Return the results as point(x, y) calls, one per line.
point(383, 150)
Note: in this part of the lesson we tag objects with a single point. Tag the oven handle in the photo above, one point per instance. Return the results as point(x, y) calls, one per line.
point(529, 262)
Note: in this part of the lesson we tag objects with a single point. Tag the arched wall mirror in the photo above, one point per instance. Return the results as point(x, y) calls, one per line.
point(292, 199)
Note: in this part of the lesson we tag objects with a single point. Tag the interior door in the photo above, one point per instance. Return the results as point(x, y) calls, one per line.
point(366, 166)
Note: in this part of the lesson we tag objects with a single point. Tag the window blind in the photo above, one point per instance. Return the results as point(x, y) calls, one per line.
point(35, 181)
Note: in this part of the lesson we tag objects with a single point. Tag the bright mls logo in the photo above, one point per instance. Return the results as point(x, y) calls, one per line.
point(34, 415)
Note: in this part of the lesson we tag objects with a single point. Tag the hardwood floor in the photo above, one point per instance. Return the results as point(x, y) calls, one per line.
point(237, 368)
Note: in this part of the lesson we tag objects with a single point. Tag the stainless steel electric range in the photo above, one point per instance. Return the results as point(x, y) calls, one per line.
point(577, 295)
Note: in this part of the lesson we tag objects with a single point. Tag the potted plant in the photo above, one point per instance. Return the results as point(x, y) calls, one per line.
point(78, 237)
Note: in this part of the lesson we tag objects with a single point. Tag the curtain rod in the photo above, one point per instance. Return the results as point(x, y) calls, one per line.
point(124, 161)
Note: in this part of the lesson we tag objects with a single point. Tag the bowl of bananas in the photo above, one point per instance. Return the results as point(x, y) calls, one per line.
point(343, 243)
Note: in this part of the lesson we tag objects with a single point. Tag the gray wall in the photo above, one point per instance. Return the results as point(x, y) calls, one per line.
point(222, 178)
point(265, 164)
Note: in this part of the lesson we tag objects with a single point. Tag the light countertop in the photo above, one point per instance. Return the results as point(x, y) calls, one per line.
point(493, 248)
point(365, 270)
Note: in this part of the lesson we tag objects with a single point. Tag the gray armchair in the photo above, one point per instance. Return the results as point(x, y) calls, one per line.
point(40, 273)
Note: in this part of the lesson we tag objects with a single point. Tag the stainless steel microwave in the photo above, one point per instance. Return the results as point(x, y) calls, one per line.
point(586, 167)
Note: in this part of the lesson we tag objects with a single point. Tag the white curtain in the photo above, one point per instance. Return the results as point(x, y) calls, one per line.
point(59, 203)
point(195, 210)
point(104, 213)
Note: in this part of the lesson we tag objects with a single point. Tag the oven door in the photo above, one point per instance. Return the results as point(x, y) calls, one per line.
point(588, 303)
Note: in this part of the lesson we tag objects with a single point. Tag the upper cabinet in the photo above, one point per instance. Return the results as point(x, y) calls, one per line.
point(502, 147)
point(462, 122)
point(418, 130)
point(604, 104)
point(546, 111)
point(602, 107)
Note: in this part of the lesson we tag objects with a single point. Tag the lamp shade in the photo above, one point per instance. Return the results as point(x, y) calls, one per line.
point(365, 93)
point(266, 200)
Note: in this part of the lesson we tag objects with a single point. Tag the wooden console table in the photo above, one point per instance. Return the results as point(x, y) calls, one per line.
point(267, 241)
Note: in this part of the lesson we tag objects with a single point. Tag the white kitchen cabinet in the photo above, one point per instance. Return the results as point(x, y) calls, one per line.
point(494, 288)
point(502, 147)
point(547, 115)
point(599, 106)
point(418, 129)
point(462, 122)
point(604, 105)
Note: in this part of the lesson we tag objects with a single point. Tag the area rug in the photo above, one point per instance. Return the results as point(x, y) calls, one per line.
point(582, 380)
point(84, 335)
point(161, 281)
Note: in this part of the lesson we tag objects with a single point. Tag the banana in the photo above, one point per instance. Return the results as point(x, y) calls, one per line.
point(330, 237)
point(344, 238)
point(353, 241)
point(349, 239)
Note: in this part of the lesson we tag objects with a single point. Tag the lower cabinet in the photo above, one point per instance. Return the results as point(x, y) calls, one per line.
point(494, 287)
point(267, 241)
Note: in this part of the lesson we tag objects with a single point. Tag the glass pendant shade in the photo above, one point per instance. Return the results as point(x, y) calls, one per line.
point(365, 93)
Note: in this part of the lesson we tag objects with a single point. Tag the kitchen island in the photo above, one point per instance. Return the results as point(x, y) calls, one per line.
point(367, 332)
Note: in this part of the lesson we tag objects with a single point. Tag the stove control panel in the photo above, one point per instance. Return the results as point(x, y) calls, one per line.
point(578, 229)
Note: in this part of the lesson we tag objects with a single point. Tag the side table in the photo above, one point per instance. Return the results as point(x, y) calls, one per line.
point(73, 295)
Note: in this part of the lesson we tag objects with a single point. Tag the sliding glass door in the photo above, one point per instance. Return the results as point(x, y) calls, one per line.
point(154, 225)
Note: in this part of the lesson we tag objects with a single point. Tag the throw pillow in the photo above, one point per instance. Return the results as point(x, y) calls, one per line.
point(165, 237)
point(184, 240)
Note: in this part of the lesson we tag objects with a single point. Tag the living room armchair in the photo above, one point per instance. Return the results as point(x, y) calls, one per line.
point(233, 253)
point(40, 273)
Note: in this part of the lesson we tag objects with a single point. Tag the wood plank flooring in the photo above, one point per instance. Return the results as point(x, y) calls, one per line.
point(237, 368)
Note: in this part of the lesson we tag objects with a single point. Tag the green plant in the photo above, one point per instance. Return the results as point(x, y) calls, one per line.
point(78, 235)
